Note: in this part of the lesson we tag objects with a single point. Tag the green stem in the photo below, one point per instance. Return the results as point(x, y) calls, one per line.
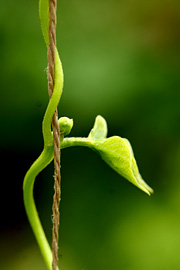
point(44, 159)
point(47, 154)
point(53, 103)
point(76, 141)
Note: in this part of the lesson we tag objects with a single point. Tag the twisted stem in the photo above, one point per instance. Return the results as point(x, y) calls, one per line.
point(55, 86)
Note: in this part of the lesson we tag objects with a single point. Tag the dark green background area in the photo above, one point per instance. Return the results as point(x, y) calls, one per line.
point(121, 60)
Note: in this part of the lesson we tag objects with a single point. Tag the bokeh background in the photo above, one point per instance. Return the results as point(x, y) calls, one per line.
point(121, 60)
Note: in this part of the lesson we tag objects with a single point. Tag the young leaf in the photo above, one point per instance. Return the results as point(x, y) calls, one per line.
point(99, 131)
point(118, 154)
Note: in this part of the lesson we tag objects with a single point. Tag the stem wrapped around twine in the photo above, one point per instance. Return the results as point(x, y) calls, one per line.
point(56, 132)
point(47, 12)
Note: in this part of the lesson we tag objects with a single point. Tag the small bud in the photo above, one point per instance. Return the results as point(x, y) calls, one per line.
point(65, 125)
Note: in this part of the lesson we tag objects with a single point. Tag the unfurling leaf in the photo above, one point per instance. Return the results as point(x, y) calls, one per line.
point(99, 131)
point(117, 153)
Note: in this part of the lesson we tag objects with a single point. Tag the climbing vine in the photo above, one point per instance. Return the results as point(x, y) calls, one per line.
point(115, 151)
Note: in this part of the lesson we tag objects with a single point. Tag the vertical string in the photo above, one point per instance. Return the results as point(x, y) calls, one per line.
point(56, 133)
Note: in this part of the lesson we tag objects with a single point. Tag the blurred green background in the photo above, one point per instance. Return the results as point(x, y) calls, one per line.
point(121, 59)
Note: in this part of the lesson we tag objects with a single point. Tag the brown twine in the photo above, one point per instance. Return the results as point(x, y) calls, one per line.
point(56, 133)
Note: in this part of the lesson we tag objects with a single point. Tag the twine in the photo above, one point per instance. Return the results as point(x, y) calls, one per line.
point(56, 133)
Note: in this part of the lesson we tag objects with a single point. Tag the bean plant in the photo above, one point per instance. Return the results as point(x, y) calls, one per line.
point(115, 151)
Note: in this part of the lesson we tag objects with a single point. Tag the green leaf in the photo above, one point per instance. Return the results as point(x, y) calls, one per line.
point(115, 151)
point(118, 154)
point(99, 131)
